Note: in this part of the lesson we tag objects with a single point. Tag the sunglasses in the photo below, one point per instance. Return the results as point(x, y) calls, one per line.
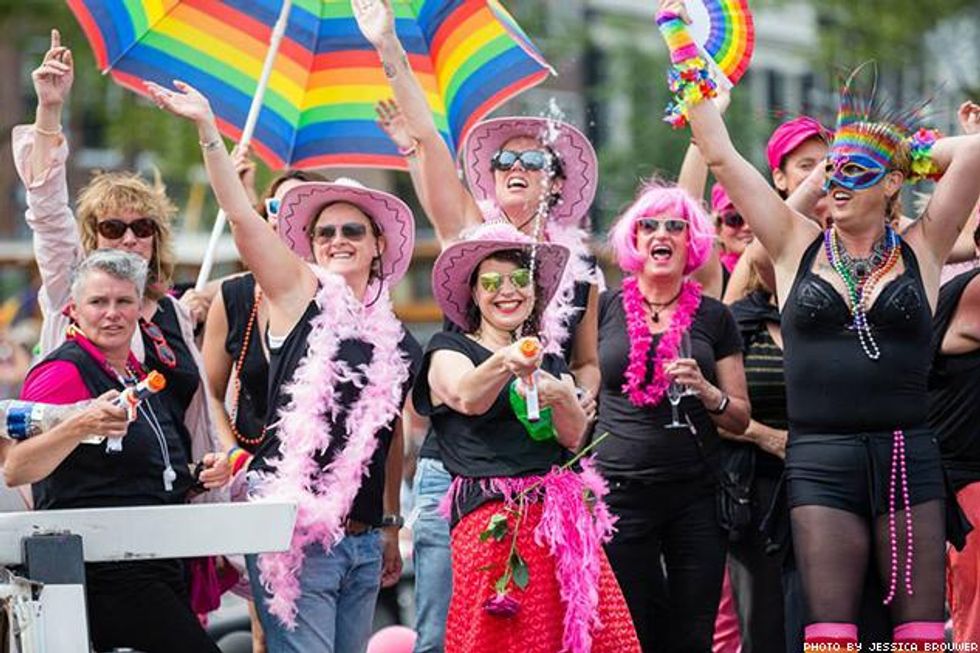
point(733, 220)
point(652, 225)
point(272, 205)
point(530, 160)
point(352, 231)
point(852, 172)
point(164, 352)
point(493, 281)
point(114, 228)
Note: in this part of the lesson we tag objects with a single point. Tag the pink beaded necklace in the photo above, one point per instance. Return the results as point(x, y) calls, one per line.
point(641, 339)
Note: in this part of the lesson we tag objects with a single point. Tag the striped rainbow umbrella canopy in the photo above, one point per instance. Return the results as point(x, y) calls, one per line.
point(469, 55)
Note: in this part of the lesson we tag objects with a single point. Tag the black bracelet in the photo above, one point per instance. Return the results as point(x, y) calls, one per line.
point(722, 406)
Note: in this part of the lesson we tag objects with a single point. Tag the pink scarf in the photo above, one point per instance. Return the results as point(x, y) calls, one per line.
point(325, 496)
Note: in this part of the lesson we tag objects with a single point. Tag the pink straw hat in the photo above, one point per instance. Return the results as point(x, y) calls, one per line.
point(453, 269)
point(578, 160)
point(303, 203)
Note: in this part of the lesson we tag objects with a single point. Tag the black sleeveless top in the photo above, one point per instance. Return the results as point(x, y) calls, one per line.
point(368, 506)
point(831, 385)
point(954, 392)
point(91, 478)
point(238, 294)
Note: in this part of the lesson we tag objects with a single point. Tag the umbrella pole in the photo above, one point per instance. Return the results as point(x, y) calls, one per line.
point(253, 117)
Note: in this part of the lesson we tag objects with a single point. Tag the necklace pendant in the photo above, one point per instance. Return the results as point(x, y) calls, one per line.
point(656, 317)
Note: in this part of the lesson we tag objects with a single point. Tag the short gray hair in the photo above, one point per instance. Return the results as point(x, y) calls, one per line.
point(114, 262)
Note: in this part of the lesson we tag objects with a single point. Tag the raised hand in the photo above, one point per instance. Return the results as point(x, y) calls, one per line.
point(186, 101)
point(54, 77)
point(244, 162)
point(969, 117)
point(376, 19)
point(393, 122)
point(675, 7)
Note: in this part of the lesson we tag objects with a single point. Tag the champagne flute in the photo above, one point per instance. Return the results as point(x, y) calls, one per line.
point(677, 391)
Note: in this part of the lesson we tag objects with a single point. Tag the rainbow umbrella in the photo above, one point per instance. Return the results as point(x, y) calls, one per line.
point(321, 82)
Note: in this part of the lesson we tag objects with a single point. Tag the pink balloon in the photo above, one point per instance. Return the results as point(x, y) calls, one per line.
point(392, 639)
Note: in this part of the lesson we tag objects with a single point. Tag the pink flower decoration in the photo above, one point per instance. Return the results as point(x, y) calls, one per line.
point(502, 605)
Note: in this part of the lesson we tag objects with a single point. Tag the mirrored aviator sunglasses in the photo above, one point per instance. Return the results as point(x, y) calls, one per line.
point(272, 205)
point(114, 228)
point(652, 225)
point(493, 281)
point(530, 159)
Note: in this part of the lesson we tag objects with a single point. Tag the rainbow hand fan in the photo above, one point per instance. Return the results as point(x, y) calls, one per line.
point(724, 30)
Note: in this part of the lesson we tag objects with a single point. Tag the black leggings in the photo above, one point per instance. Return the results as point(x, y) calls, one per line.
point(668, 555)
point(144, 606)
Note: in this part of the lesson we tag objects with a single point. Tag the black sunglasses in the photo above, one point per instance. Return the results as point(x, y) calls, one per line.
point(352, 231)
point(733, 220)
point(530, 160)
point(114, 228)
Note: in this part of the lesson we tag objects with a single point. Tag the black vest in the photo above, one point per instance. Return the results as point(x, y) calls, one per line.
point(91, 478)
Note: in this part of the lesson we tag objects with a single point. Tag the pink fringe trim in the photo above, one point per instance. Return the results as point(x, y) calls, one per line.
point(324, 496)
point(574, 531)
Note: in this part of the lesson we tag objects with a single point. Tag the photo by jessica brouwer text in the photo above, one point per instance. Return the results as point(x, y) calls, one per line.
point(889, 647)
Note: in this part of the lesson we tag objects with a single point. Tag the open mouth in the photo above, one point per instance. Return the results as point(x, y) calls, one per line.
point(341, 256)
point(508, 306)
point(661, 252)
point(840, 196)
point(517, 182)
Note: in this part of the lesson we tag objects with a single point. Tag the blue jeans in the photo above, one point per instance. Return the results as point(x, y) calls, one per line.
point(335, 610)
point(431, 556)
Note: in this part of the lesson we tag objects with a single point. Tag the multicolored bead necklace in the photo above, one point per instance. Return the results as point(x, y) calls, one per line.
point(861, 287)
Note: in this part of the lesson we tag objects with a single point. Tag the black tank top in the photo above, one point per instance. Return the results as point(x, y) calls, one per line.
point(357, 354)
point(91, 478)
point(831, 385)
point(954, 392)
point(239, 297)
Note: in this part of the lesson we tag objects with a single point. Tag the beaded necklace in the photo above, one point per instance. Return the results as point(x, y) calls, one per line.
point(239, 364)
point(859, 290)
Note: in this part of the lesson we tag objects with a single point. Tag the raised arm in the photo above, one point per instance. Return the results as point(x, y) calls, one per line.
point(287, 281)
point(950, 207)
point(444, 198)
point(780, 229)
point(218, 365)
point(693, 176)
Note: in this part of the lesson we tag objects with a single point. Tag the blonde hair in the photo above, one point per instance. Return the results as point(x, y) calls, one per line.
point(111, 193)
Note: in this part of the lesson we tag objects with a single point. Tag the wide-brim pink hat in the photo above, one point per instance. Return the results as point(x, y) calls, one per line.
point(303, 203)
point(578, 160)
point(453, 269)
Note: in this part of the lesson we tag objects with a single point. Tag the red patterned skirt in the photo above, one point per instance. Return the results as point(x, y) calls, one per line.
point(538, 626)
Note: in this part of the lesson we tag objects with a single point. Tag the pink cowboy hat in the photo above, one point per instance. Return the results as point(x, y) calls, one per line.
point(303, 203)
point(454, 267)
point(577, 156)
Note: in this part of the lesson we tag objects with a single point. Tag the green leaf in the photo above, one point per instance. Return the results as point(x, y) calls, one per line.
point(496, 528)
point(522, 575)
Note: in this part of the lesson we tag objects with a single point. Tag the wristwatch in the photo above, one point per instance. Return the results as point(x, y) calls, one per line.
point(388, 521)
point(722, 406)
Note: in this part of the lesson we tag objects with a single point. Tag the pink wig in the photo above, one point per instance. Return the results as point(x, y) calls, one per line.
point(660, 201)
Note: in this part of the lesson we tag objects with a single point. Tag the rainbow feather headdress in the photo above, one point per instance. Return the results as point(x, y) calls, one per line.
point(891, 136)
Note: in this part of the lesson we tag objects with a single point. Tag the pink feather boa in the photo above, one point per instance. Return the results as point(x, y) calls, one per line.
point(641, 339)
point(325, 496)
point(574, 530)
point(561, 310)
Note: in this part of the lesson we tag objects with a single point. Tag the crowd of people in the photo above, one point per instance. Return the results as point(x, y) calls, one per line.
point(763, 438)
